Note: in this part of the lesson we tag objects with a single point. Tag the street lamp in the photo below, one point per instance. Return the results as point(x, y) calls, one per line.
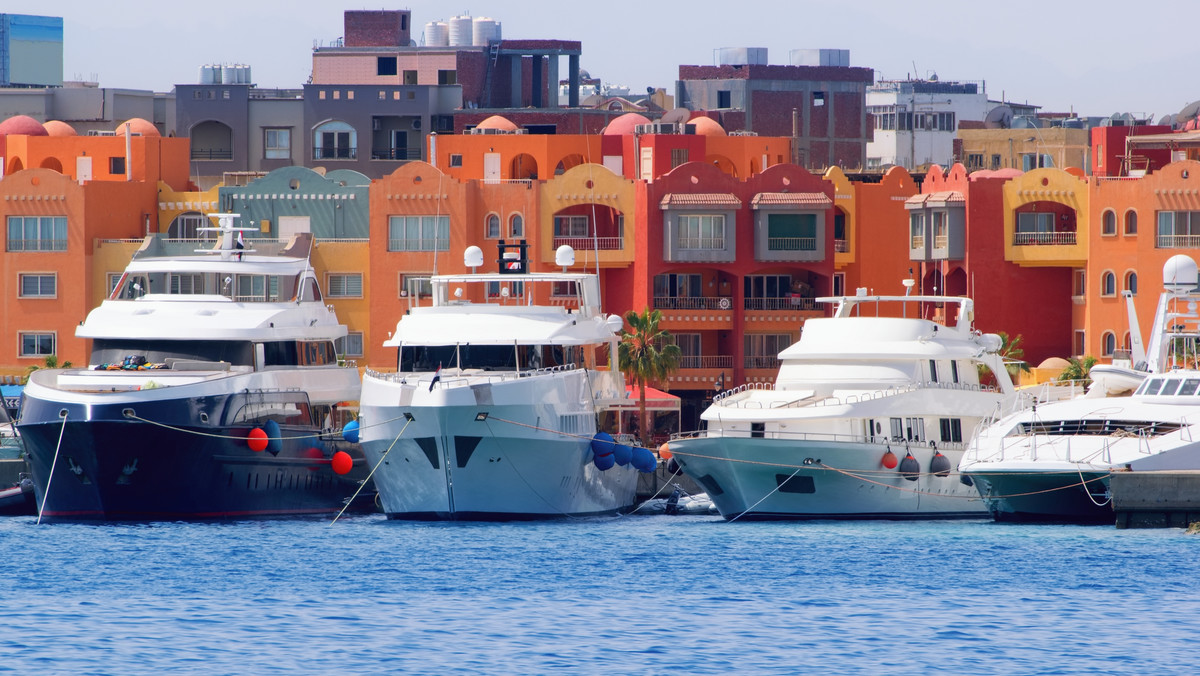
point(719, 385)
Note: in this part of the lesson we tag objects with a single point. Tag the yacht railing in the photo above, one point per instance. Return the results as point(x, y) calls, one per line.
point(464, 380)
point(896, 443)
point(723, 399)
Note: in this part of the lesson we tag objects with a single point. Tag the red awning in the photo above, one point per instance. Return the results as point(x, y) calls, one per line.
point(656, 400)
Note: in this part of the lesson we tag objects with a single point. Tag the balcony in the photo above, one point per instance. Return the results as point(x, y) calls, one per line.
point(703, 303)
point(396, 154)
point(918, 242)
point(791, 244)
point(335, 153)
point(1177, 241)
point(702, 243)
point(212, 154)
point(787, 303)
point(591, 243)
point(941, 241)
point(1044, 238)
point(841, 246)
point(697, 313)
point(757, 362)
point(691, 362)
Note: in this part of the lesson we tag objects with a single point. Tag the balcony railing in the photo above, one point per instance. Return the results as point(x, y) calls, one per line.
point(703, 303)
point(918, 242)
point(698, 362)
point(1035, 238)
point(212, 153)
point(788, 303)
point(335, 153)
point(941, 241)
point(590, 243)
point(423, 244)
point(791, 244)
point(37, 245)
point(1177, 241)
point(841, 246)
point(706, 243)
point(396, 154)
point(754, 362)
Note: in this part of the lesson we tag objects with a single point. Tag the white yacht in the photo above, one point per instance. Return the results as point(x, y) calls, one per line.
point(492, 409)
point(1051, 462)
point(868, 415)
point(212, 391)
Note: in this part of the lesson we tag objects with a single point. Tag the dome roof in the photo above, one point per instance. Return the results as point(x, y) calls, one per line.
point(497, 122)
point(139, 126)
point(21, 125)
point(706, 126)
point(623, 125)
point(1057, 363)
point(58, 128)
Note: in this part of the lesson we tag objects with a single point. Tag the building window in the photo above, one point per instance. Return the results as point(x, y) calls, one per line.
point(1080, 285)
point(702, 231)
point(1131, 282)
point(678, 156)
point(676, 291)
point(995, 162)
point(1108, 344)
point(839, 284)
point(385, 65)
point(116, 166)
point(1080, 343)
point(1131, 222)
point(344, 285)
point(418, 233)
point(818, 99)
point(350, 346)
point(415, 286)
point(941, 229)
point(37, 233)
point(974, 161)
point(492, 227)
point(113, 279)
point(1178, 230)
point(505, 290)
point(410, 77)
point(916, 230)
point(772, 292)
point(762, 349)
point(38, 286)
point(36, 344)
point(1108, 284)
point(791, 232)
point(335, 141)
point(724, 98)
point(516, 226)
point(277, 144)
point(570, 226)
point(447, 77)
point(1108, 222)
point(456, 161)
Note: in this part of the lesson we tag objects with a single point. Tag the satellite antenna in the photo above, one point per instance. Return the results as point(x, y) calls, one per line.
point(999, 117)
point(227, 246)
point(676, 116)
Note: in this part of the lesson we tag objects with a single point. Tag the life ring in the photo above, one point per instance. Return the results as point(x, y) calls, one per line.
point(723, 303)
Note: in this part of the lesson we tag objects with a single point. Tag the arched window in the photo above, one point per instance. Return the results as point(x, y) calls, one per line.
point(1127, 343)
point(492, 227)
point(1108, 344)
point(1108, 284)
point(1131, 282)
point(1131, 222)
point(335, 140)
point(1108, 222)
point(516, 226)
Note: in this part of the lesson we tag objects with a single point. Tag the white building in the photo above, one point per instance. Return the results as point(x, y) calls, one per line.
point(916, 121)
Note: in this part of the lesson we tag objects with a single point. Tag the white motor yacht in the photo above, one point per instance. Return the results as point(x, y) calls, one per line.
point(1051, 462)
point(492, 410)
point(867, 418)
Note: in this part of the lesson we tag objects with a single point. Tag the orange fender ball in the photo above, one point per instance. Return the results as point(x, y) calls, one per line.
point(664, 452)
point(889, 460)
point(342, 462)
point(257, 440)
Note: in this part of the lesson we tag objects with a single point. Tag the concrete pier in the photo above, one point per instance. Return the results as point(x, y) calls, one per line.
point(10, 471)
point(1156, 499)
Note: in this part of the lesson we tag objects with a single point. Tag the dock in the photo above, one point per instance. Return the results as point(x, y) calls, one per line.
point(1156, 498)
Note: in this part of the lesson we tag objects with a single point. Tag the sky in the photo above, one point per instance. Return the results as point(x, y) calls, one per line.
point(1064, 57)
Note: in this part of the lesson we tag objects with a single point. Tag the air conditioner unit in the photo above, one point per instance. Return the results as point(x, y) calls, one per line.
point(417, 123)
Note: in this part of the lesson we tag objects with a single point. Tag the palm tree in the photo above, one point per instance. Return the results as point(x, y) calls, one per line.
point(51, 362)
point(1078, 368)
point(647, 354)
point(1012, 354)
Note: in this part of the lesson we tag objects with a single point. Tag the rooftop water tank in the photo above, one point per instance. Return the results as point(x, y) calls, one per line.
point(461, 29)
point(206, 75)
point(484, 30)
point(227, 75)
point(820, 57)
point(437, 34)
point(742, 56)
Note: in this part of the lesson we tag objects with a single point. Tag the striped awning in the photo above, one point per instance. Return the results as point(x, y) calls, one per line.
point(809, 200)
point(935, 199)
point(694, 200)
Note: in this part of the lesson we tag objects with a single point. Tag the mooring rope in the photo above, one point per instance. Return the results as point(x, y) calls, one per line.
point(364, 482)
point(53, 464)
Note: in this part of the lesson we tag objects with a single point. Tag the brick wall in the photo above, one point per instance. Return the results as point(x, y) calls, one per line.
point(383, 28)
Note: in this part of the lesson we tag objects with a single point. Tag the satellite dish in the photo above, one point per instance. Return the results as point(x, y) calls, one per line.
point(676, 115)
point(1190, 110)
point(1168, 120)
point(999, 117)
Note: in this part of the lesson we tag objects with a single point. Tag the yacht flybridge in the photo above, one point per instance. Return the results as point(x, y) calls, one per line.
point(213, 390)
point(867, 418)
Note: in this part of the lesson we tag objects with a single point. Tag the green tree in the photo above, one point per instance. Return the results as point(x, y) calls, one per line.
point(1013, 355)
point(647, 355)
point(51, 362)
point(1078, 369)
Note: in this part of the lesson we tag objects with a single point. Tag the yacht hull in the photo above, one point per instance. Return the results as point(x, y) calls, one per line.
point(755, 478)
point(1067, 496)
point(519, 462)
point(121, 456)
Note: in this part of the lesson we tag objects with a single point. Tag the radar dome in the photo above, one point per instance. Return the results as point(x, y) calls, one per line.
point(564, 256)
point(473, 257)
point(1179, 274)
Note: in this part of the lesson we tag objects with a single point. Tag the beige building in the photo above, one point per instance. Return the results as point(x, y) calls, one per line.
point(1023, 149)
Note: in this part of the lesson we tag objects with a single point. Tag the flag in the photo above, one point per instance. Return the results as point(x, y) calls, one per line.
point(437, 375)
point(240, 243)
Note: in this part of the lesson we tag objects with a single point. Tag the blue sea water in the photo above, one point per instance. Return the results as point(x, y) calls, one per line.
point(629, 595)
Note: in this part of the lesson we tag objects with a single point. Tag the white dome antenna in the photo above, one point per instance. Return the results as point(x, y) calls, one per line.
point(564, 257)
point(1179, 275)
point(473, 257)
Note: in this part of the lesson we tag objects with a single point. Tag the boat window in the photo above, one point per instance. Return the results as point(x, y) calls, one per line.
point(1189, 387)
point(897, 429)
point(758, 430)
point(285, 408)
point(951, 429)
point(954, 371)
point(1153, 386)
point(299, 353)
point(933, 371)
point(915, 427)
point(237, 353)
point(1169, 388)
